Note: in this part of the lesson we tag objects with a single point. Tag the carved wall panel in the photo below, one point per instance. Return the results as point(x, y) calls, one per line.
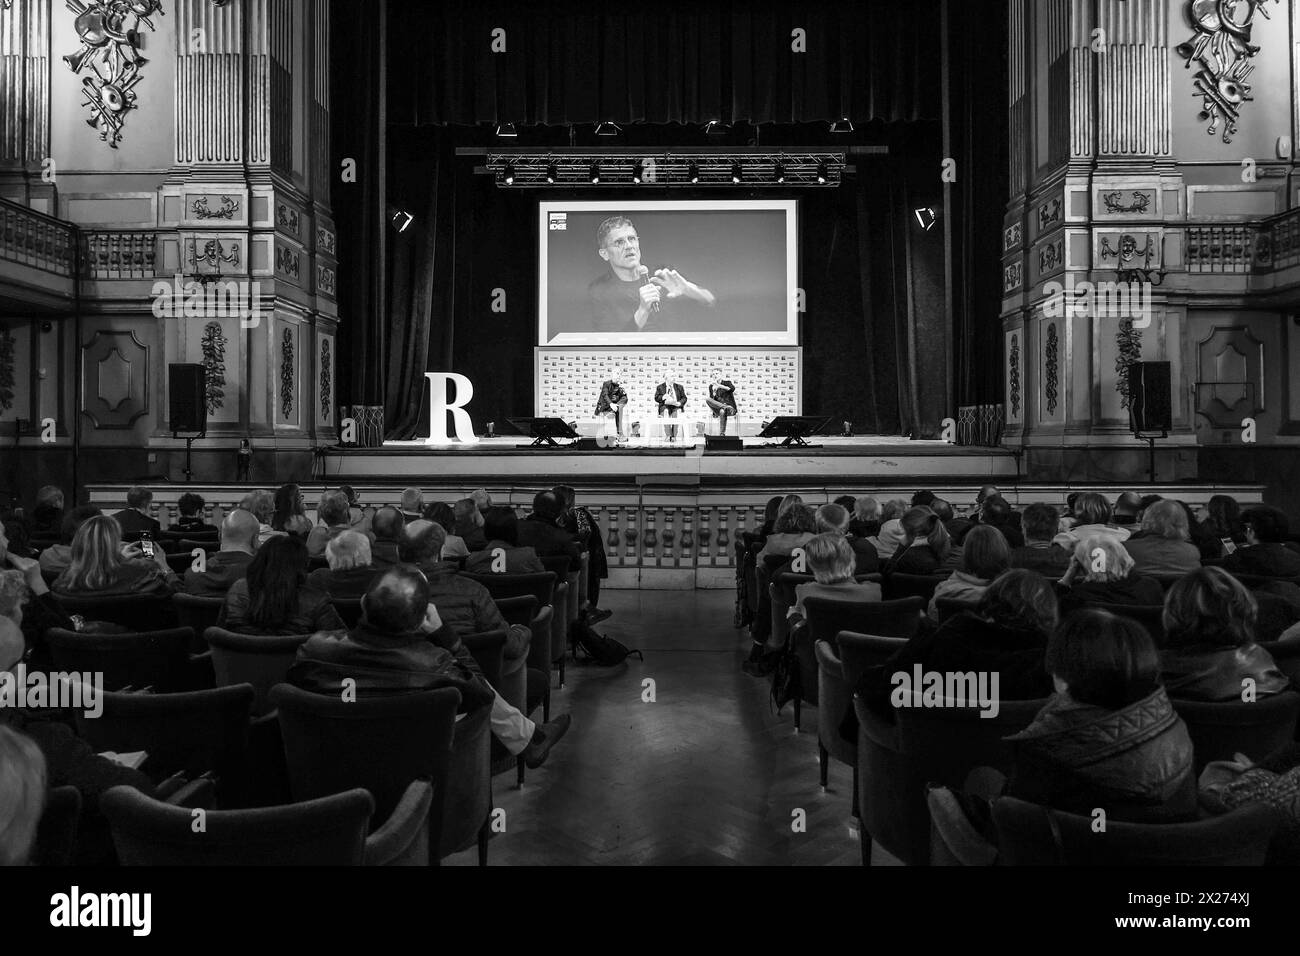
point(1229, 376)
point(115, 379)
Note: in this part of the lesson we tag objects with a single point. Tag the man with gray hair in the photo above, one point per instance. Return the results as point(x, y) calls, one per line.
point(239, 532)
point(134, 519)
point(469, 524)
point(332, 511)
point(350, 569)
point(412, 504)
point(481, 499)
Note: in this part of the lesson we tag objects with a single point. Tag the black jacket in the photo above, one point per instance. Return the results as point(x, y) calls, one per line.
point(546, 539)
point(1268, 558)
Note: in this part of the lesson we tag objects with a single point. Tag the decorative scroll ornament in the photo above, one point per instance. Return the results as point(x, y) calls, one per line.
point(1115, 202)
point(286, 373)
point(326, 383)
point(1013, 371)
point(1052, 369)
point(110, 55)
point(1128, 342)
point(1222, 46)
point(214, 360)
point(229, 206)
point(7, 362)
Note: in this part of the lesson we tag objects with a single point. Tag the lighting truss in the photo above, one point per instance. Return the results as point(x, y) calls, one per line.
point(533, 169)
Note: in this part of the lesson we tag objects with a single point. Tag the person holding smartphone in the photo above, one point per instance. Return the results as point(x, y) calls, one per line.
point(101, 565)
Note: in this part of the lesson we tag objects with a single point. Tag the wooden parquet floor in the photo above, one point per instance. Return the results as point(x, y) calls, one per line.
point(707, 774)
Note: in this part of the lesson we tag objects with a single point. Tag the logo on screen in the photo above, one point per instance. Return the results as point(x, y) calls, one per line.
point(558, 221)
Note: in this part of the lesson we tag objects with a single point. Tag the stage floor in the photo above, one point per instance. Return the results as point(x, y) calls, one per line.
point(876, 456)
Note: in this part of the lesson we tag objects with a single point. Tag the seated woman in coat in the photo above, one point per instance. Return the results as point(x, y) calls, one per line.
point(1109, 737)
point(274, 597)
point(925, 545)
point(984, 556)
point(1210, 651)
point(1102, 573)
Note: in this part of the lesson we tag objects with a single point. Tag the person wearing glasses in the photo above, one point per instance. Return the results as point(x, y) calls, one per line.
point(629, 298)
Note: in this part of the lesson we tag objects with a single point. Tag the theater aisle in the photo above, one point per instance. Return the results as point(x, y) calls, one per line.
point(707, 773)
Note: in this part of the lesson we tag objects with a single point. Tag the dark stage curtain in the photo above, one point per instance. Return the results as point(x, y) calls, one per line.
point(667, 62)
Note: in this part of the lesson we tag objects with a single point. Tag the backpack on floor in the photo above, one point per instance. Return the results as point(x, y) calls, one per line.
point(600, 650)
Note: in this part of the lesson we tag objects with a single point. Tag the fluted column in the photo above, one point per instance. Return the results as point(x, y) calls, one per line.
point(24, 100)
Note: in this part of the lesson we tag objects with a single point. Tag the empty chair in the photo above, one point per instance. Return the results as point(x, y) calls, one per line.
point(153, 613)
point(1256, 729)
point(259, 660)
point(380, 744)
point(330, 831)
point(900, 584)
point(157, 659)
point(194, 733)
point(1033, 835)
point(938, 745)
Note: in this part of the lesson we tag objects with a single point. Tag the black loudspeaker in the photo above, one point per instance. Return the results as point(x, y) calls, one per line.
point(187, 399)
point(1150, 397)
point(723, 443)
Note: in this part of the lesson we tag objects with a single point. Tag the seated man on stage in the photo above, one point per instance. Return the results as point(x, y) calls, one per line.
point(613, 399)
point(722, 399)
point(671, 399)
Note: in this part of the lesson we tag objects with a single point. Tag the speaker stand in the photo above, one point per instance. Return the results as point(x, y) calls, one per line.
point(1150, 439)
point(189, 444)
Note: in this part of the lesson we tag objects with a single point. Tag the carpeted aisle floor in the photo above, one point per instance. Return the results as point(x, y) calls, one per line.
point(705, 774)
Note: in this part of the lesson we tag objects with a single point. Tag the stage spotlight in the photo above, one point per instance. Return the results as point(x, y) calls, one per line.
point(736, 175)
point(822, 173)
point(399, 219)
point(508, 174)
point(716, 127)
point(607, 129)
point(552, 174)
point(842, 126)
point(637, 168)
point(595, 173)
point(926, 217)
point(507, 130)
point(693, 172)
point(778, 172)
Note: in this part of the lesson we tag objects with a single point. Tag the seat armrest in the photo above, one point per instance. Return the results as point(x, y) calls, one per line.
point(539, 648)
point(403, 839)
point(827, 660)
point(200, 793)
point(881, 732)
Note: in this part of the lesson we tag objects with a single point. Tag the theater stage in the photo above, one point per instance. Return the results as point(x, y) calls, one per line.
point(872, 460)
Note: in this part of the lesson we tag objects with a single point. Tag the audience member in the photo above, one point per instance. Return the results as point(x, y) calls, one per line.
point(47, 513)
point(102, 567)
point(191, 520)
point(793, 529)
point(769, 516)
point(984, 556)
point(890, 535)
point(581, 523)
point(835, 518)
point(386, 530)
point(332, 513)
point(1163, 547)
point(289, 515)
point(847, 502)
point(955, 526)
point(1102, 573)
point(273, 596)
point(1128, 509)
point(866, 518)
point(261, 505)
point(540, 532)
point(996, 512)
point(1109, 736)
point(412, 504)
point(358, 516)
point(831, 562)
point(1210, 651)
point(923, 499)
point(1092, 517)
point(924, 547)
point(56, 558)
point(469, 524)
point(25, 600)
point(482, 500)
point(501, 528)
point(1040, 523)
point(402, 645)
point(134, 520)
point(350, 569)
point(1223, 519)
point(788, 502)
point(442, 514)
point(1264, 553)
point(223, 568)
point(22, 796)
point(1005, 633)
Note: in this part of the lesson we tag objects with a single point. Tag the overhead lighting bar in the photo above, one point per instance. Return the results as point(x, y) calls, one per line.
point(746, 170)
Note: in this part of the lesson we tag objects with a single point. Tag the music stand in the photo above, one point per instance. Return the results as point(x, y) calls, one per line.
point(794, 429)
point(543, 431)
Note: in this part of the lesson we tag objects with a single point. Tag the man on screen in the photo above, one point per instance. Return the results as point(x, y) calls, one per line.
point(629, 298)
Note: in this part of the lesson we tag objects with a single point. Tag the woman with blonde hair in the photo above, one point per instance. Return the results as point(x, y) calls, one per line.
point(102, 566)
point(925, 544)
point(832, 563)
point(866, 517)
point(1101, 572)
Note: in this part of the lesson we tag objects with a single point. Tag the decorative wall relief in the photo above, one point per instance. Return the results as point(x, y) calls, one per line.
point(1013, 372)
point(110, 56)
point(1051, 256)
point(326, 381)
point(1128, 252)
point(1138, 205)
point(229, 206)
point(1128, 342)
point(1052, 372)
point(1049, 213)
point(286, 373)
point(325, 280)
point(286, 262)
point(1221, 45)
point(214, 360)
point(1012, 276)
point(286, 217)
point(214, 253)
point(324, 241)
point(7, 365)
point(1012, 237)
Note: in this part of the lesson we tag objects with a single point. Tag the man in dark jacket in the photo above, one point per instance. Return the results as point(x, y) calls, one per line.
point(402, 645)
point(387, 530)
point(540, 532)
point(350, 569)
point(1264, 553)
point(134, 520)
point(1039, 523)
point(239, 532)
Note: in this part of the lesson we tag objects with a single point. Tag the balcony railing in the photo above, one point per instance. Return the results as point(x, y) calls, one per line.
point(33, 239)
point(1277, 245)
point(119, 254)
